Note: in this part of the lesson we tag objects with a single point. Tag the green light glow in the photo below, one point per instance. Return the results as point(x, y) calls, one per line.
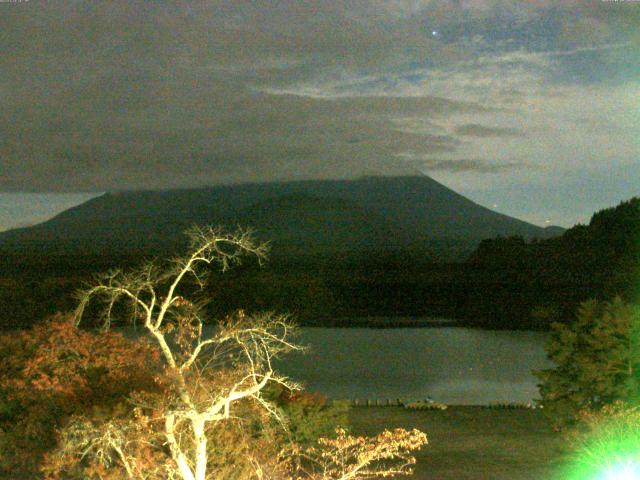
point(608, 447)
point(629, 470)
point(614, 468)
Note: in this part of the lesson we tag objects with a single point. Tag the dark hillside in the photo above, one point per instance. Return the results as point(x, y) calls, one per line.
point(599, 260)
point(394, 211)
point(364, 248)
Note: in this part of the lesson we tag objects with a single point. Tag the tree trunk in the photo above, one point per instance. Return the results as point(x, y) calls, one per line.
point(201, 447)
point(176, 453)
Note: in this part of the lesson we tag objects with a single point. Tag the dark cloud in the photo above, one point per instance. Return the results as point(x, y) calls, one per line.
point(228, 134)
point(467, 165)
point(138, 94)
point(476, 130)
point(110, 95)
point(605, 20)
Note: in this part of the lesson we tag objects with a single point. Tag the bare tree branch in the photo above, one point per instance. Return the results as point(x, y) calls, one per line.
point(256, 340)
point(207, 376)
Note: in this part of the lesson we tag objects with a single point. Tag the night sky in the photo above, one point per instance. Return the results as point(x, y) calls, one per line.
point(531, 108)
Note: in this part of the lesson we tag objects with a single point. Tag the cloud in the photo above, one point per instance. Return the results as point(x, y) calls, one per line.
point(476, 130)
point(146, 95)
point(474, 165)
point(232, 136)
point(113, 95)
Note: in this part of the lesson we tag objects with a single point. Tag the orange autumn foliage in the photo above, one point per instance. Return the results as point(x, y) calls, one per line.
point(56, 370)
point(348, 457)
point(66, 391)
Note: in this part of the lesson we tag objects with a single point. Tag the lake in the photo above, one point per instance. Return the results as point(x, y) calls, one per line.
point(453, 365)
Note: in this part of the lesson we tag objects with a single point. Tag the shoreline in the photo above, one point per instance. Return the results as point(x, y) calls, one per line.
point(383, 322)
point(388, 322)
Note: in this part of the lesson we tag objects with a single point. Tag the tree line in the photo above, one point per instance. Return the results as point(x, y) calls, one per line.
point(507, 283)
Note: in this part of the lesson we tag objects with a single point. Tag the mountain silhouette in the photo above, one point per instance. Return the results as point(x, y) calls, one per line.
point(313, 215)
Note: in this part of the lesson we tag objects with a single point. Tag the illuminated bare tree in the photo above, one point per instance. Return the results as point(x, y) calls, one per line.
point(205, 379)
point(242, 347)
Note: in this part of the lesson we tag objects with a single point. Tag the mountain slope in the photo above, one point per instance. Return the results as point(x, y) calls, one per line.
point(370, 212)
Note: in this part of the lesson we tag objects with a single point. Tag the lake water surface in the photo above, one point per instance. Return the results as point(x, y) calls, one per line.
point(451, 365)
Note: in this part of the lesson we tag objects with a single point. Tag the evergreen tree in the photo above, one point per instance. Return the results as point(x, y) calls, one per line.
point(597, 361)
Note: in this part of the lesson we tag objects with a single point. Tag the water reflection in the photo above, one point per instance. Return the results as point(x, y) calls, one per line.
point(451, 365)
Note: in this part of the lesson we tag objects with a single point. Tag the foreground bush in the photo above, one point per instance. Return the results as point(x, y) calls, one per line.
point(54, 371)
point(310, 416)
point(385, 455)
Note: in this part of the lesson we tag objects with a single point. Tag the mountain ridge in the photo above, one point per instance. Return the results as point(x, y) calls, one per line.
point(369, 212)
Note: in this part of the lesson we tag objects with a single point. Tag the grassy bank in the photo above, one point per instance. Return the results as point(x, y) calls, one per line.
point(473, 443)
